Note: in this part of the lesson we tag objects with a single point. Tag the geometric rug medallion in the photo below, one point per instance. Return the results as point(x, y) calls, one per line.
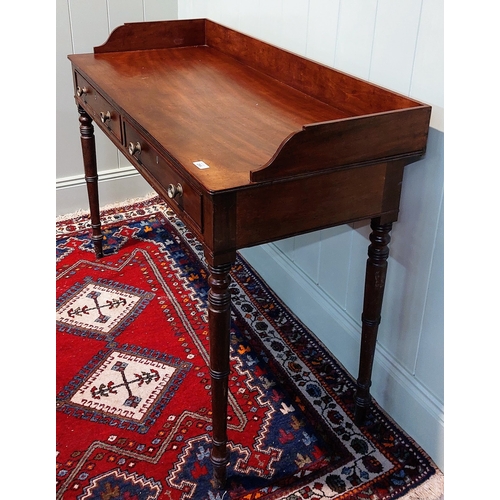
point(121, 388)
point(133, 385)
point(99, 308)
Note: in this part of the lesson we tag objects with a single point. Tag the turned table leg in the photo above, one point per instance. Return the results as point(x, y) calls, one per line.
point(376, 270)
point(219, 317)
point(90, 165)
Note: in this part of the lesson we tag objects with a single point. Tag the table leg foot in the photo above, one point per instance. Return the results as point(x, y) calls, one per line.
point(376, 271)
point(360, 409)
point(219, 473)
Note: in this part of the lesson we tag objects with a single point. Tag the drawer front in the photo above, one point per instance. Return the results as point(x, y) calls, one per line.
point(182, 197)
point(99, 108)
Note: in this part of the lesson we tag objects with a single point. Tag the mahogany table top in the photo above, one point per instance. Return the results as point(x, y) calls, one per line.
point(234, 102)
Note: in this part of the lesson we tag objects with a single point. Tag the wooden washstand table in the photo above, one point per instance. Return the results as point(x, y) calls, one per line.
point(248, 144)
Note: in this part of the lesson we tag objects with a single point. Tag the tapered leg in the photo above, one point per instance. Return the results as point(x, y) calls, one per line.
point(219, 317)
point(376, 270)
point(90, 165)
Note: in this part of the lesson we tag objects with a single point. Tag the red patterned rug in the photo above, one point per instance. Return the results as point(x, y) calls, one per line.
point(133, 385)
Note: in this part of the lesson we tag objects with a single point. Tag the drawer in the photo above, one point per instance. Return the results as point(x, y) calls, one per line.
point(98, 107)
point(183, 198)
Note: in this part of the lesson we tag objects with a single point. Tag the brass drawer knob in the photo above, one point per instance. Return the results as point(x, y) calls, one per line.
point(174, 191)
point(81, 91)
point(134, 148)
point(105, 116)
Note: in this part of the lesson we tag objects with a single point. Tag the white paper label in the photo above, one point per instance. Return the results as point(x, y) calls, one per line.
point(201, 164)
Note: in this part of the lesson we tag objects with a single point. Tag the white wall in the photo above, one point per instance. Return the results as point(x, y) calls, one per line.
point(320, 276)
point(398, 45)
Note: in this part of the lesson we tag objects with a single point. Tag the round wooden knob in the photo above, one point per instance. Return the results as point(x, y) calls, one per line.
point(174, 191)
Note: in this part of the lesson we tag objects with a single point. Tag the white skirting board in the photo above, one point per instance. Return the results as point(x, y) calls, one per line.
point(406, 400)
point(115, 185)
